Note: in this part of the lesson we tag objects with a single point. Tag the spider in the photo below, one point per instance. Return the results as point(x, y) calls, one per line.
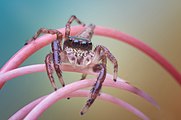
point(78, 51)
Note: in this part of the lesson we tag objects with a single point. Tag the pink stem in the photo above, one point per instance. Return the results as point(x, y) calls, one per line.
point(28, 50)
point(21, 114)
point(31, 48)
point(107, 32)
point(121, 84)
point(54, 97)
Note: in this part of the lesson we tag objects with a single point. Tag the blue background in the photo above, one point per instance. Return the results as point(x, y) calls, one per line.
point(155, 22)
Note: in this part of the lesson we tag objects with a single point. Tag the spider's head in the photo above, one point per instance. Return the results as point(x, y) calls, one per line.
point(79, 51)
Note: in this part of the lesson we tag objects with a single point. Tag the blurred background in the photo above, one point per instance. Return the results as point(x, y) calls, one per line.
point(155, 22)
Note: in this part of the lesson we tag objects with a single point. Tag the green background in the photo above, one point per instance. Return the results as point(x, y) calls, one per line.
point(155, 22)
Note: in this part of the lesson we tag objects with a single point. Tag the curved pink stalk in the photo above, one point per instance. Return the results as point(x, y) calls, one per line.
point(22, 113)
point(121, 84)
point(7, 72)
point(55, 96)
point(32, 47)
point(27, 50)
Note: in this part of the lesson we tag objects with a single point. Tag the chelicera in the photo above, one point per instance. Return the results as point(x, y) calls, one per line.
point(78, 51)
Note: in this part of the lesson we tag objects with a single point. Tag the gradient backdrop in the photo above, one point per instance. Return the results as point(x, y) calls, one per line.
point(155, 22)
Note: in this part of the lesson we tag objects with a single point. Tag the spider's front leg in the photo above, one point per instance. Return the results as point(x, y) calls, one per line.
point(101, 68)
point(54, 56)
point(45, 31)
point(67, 27)
point(56, 48)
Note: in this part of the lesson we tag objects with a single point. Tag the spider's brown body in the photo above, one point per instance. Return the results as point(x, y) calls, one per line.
point(78, 51)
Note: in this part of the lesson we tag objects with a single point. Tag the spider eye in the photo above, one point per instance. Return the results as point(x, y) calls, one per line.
point(84, 44)
point(70, 38)
point(75, 43)
point(90, 43)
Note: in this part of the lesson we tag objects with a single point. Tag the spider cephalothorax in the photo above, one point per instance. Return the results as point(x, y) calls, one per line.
point(78, 51)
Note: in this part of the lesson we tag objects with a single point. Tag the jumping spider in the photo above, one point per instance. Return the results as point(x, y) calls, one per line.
point(78, 51)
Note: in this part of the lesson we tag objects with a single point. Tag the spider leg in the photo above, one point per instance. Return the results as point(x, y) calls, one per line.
point(54, 56)
point(101, 53)
point(56, 48)
point(101, 68)
point(67, 27)
point(83, 76)
point(45, 31)
point(104, 52)
point(48, 60)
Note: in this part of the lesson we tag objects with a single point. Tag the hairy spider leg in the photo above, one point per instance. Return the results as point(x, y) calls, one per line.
point(45, 31)
point(49, 69)
point(67, 27)
point(102, 53)
point(101, 68)
point(56, 49)
point(54, 56)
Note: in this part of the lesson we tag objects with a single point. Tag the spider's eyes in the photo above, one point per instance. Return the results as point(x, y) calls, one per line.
point(90, 43)
point(84, 44)
point(79, 43)
point(75, 43)
point(70, 40)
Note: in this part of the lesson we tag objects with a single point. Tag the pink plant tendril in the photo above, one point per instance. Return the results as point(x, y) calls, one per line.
point(37, 107)
point(79, 93)
point(121, 84)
